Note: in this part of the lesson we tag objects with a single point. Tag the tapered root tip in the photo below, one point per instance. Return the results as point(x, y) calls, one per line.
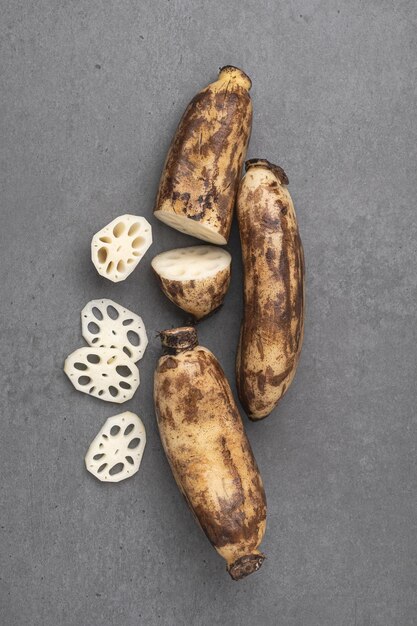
point(276, 169)
point(258, 418)
point(234, 73)
point(246, 565)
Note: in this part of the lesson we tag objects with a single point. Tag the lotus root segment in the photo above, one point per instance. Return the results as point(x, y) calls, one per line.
point(196, 279)
point(199, 182)
point(208, 451)
point(272, 329)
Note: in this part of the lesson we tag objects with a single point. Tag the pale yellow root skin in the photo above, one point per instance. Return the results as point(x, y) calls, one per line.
point(199, 182)
point(197, 297)
point(273, 325)
point(210, 456)
point(196, 278)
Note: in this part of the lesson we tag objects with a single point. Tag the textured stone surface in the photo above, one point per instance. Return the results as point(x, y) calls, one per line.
point(91, 94)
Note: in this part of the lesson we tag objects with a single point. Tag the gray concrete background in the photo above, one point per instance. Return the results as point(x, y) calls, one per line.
point(91, 94)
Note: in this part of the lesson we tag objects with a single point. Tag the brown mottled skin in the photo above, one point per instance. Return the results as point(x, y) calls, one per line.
point(272, 329)
point(197, 297)
point(208, 451)
point(203, 166)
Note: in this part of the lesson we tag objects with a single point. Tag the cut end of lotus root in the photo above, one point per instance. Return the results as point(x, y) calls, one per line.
point(193, 263)
point(106, 324)
point(103, 373)
point(118, 247)
point(191, 227)
point(117, 450)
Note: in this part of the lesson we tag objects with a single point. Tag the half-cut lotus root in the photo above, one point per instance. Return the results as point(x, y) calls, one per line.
point(118, 247)
point(117, 450)
point(105, 373)
point(196, 279)
point(106, 324)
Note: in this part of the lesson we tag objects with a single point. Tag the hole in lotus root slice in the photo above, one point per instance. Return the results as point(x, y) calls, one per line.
point(116, 469)
point(111, 457)
point(134, 229)
point(112, 312)
point(124, 371)
point(118, 327)
point(129, 429)
point(118, 247)
point(133, 338)
point(138, 242)
point(101, 377)
point(119, 229)
point(97, 313)
point(102, 255)
point(113, 391)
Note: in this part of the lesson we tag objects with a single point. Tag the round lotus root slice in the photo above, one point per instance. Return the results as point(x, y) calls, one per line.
point(196, 279)
point(105, 373)
point(117, 450)
point(118, 247)
point(106, 324)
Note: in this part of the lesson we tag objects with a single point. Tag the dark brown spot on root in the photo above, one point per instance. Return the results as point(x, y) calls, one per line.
point(261, 379)
point(174, 288)
point(191, 399)
point(167, 364)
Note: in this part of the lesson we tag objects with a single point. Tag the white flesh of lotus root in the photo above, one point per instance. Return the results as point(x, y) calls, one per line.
point(118, 247)
point(191, 227)
point(194, 263)
point(106, 324)
point(103, 373)
point(117, 450)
